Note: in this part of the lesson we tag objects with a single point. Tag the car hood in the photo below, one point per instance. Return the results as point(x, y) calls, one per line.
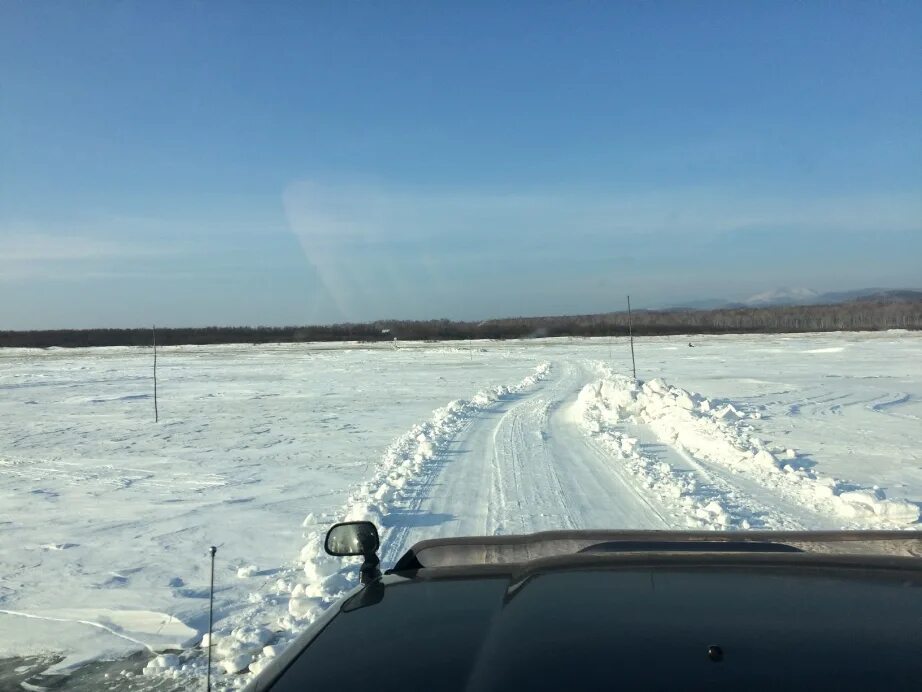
point(680, 621)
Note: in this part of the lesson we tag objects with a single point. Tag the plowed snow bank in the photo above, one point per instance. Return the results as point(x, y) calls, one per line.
point(718, 434)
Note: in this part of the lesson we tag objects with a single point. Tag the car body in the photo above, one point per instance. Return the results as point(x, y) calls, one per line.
point(625, 610)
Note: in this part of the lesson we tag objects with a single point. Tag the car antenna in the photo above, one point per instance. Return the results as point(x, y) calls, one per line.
point(213, 550)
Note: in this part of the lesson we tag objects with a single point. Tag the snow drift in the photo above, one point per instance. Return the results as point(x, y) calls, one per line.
point(719, 435)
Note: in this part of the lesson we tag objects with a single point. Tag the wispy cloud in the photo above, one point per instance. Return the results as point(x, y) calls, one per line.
point(37, 247)
point(39, 255)
point(376, 247)
point(348, 213)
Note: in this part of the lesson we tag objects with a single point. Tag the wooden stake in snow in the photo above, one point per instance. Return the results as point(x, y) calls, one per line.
point(630, 331)
point(156, 413)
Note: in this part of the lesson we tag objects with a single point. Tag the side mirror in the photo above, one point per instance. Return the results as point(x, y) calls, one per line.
point(352, 538)
point(356, 538)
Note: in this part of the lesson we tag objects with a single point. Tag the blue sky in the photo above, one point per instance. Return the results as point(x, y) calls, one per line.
point(187, 163)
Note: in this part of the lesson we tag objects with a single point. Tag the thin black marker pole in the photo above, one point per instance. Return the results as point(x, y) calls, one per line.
point(210, 615)
point(156, 413)
point(630, 331)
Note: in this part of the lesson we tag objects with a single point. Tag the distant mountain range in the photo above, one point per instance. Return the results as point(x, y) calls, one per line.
point(783, 296)
point(805, 296)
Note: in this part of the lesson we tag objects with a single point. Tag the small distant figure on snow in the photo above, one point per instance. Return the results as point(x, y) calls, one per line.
point(691, 345)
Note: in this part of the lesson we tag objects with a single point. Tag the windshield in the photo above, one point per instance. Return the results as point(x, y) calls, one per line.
point(458, 269)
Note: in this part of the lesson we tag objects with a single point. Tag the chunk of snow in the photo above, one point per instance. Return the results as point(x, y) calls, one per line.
point(766, 458)
point(160, 664)
point(271, 651)
point(714, 507)
point(259, 665)
point(237, 663)
point(303, 607)
point(685, 401)
point(247, 571)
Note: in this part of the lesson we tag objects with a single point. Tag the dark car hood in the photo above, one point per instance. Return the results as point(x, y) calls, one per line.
point(616, 624)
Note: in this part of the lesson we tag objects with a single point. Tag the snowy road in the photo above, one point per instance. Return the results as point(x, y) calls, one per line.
point(530, 463)
point(522, 465)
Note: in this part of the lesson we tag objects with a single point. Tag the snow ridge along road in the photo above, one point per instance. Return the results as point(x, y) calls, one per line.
point(726, 476)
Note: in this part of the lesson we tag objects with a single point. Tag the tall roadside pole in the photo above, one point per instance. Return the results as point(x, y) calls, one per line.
point(630, 331)
point(156, 414)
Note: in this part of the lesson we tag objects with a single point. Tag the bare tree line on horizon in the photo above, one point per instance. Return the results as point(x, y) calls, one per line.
point(859, 315)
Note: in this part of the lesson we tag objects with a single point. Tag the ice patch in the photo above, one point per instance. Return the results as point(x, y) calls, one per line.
point(142, 628)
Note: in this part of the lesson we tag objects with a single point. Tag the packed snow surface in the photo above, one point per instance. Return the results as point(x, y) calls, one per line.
point(108, 516)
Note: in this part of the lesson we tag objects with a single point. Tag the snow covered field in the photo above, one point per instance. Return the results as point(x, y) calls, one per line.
point(107, 517)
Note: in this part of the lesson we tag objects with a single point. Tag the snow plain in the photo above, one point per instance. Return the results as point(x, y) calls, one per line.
point(107, 517)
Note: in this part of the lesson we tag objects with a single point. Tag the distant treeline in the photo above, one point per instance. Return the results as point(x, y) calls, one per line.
point(861, 315)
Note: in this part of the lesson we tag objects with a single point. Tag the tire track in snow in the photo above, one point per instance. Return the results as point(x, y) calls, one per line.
point(718, 493)
point(520, 453)
point(655, 514)
point(762, 509)
point(417, 509)
point(690, 497)
point(493, 471)
point(526, 466)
